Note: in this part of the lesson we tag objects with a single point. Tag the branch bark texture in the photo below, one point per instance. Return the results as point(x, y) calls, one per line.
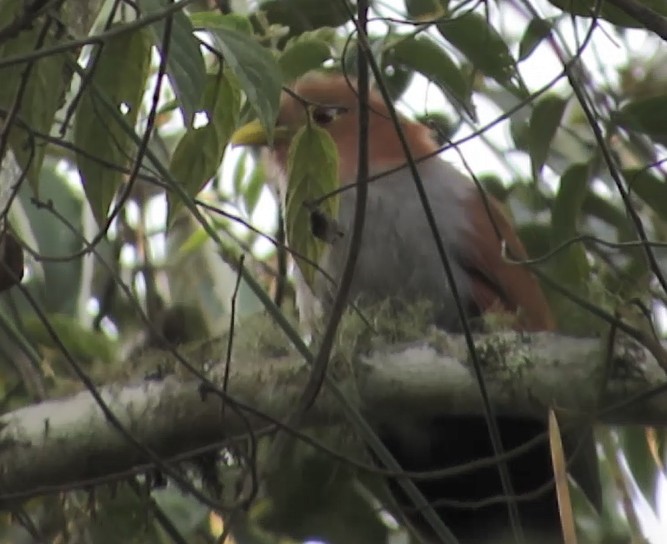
point(64, 442)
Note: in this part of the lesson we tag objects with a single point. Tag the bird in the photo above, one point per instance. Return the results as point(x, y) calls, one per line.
point(398, 260)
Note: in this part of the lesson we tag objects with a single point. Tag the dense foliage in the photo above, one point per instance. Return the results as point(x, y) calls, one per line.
point(136, 218)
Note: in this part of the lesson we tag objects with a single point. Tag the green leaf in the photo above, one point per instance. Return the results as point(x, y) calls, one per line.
point(121, 518)
point(35, 90)
point(350, 60)
point(544, 122)
point(107, 115)
point(537, 30)
point(194, 242)
point(199, 279)
point(429, 59)
point(231, 21)
point(528, 196)
point(520, 132)
point(571, 263)
point(535, 238)
point(590, 527)
point(325, 34)
point(395, 75)
point(646, 115)
point(84, 344)
point(609, 12)
point(185, 64)
point(396, 78)
point(303, 15)
point(604, 210)
point(62, 280)
point(493, 184)
point(239, 172)
point(311, 495)
point(651, 189)
point(642, 464)
point(569, 200)
point(257, 71)
point(307, 52)
point(481, 44)
point(199, 152)
point(425, 10)
point(609, 214)
point(303, 56)
point(312, 166)
point(443, 128)
point(185, 513)
point(253, 189)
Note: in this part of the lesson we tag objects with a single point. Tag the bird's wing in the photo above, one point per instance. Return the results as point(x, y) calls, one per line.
point(496, 283)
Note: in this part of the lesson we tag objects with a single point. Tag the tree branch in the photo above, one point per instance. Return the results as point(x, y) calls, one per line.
point(65, 442)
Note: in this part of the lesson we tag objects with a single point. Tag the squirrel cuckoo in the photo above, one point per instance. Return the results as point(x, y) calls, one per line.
point(398, 260)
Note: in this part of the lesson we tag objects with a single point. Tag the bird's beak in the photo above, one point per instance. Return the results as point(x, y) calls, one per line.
point(253, 134)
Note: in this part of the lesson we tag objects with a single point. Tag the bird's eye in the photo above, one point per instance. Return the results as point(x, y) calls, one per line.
point(325, 115)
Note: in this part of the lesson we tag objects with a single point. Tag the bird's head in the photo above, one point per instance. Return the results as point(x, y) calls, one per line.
point(331, 102)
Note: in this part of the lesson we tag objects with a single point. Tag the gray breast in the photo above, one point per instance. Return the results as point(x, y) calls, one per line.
point(398, 258)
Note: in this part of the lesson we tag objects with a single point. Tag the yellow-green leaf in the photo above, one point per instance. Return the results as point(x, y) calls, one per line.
point(107, 115)
point(199, 152)
point(312, 173)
